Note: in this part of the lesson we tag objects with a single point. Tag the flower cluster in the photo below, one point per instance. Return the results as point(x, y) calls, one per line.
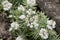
point(27, 21)
point(6, 5)
point(14, 25)
point(43, 33)
point(51, 24)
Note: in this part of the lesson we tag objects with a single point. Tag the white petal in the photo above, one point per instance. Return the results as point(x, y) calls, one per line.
point(21, 8)
point(10, 29)
point(54, 23)
point(28, 12)
point(49, 22)
point(5, 9)
point(31, 26)
point(10, 16)
point(22, 16)
point(28, 24)
point(49, 27)
point(19, 38)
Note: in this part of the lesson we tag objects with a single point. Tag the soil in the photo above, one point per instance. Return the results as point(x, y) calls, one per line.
point(4, 26)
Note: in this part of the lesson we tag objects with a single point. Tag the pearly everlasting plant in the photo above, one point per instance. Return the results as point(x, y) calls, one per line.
point(27, 22)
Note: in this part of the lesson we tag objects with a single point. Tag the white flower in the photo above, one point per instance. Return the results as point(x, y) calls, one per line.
point(14, 25)
point(31, 2)
point(51, 24)
point(33, 12)
point(28, 24)
point(30, 11)
point(43, 33)
point(19, 38)
point(10, 16)
point(6, 5)
point(21, 8)
point(31, 26)
point(35, 17)
point(10, 29)
point(22, 16)
point(35, 25)
point(49, 27)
